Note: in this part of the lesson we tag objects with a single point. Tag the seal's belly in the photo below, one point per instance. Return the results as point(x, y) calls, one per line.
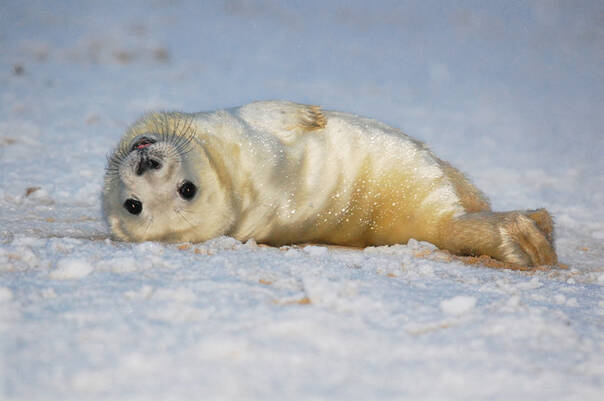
point(361, 183)
point(388, 210)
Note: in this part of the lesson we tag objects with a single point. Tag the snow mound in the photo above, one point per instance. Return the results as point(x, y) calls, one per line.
point(71, 269)
point(458, 305)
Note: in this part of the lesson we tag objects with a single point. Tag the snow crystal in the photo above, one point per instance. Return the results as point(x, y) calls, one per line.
point(71, 268)
point(48, 293)
point(126, 264)
point(179, 314)
point(560, 299)
point(178, 294)
point(25, 242)
point(598, 234)
point(251, 243)
point(317, 251)
point(292, 252)
point(458, 305)
point(513, 302)
point(88, 191)
point(530, 285)
point(421, 245)
point(149, 247)
point(5, 294)
point(143, 293)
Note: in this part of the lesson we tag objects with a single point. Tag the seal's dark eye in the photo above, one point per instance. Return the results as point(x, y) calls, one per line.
point(187, 190)
point(133, 206)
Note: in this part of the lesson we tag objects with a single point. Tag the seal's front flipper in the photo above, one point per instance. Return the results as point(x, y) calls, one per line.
point(285, 120)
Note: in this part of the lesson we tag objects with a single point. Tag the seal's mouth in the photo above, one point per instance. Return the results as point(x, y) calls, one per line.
point(142, 143)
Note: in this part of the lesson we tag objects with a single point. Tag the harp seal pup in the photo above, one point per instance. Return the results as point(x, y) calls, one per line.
point(283, 173)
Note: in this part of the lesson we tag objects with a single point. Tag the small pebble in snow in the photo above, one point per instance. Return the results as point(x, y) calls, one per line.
point(458, 305)
point(71, 268)
point(18, 69)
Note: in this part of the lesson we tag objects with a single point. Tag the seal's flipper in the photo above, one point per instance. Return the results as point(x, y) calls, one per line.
point(285, 120)
point(520, 237)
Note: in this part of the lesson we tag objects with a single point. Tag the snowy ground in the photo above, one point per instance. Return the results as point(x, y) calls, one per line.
point(511, 93)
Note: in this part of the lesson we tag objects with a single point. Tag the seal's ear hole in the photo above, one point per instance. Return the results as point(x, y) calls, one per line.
point(187, 190)
point(133, 206)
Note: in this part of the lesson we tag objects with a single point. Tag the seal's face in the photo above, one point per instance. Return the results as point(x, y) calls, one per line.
point(158, 187)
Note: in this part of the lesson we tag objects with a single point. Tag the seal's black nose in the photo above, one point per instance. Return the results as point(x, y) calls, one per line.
point(146, 163)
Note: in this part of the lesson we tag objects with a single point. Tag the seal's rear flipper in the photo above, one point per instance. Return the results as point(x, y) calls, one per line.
point(519, 237)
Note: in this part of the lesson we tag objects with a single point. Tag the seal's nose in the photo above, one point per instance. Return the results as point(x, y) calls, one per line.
point(146, 163)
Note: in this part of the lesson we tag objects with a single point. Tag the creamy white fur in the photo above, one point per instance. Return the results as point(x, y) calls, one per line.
point(264, 171)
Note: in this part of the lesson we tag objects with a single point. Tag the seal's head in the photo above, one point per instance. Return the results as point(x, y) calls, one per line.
point(160, 185)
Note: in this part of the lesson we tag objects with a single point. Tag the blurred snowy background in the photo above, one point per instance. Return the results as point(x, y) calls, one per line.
point(511, 92)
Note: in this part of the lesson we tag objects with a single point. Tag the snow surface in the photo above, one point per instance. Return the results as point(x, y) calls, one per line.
point(510, 92)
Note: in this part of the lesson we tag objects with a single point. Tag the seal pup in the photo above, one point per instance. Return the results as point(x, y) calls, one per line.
point(284, 173)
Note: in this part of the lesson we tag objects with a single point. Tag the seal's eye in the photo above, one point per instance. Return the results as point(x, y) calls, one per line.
point(133, 206)
point(187, 190)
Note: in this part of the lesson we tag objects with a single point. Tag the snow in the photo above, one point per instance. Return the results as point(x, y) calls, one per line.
point(509, 92)
point(68, 268)
point(458, 305)
point(5, 294)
